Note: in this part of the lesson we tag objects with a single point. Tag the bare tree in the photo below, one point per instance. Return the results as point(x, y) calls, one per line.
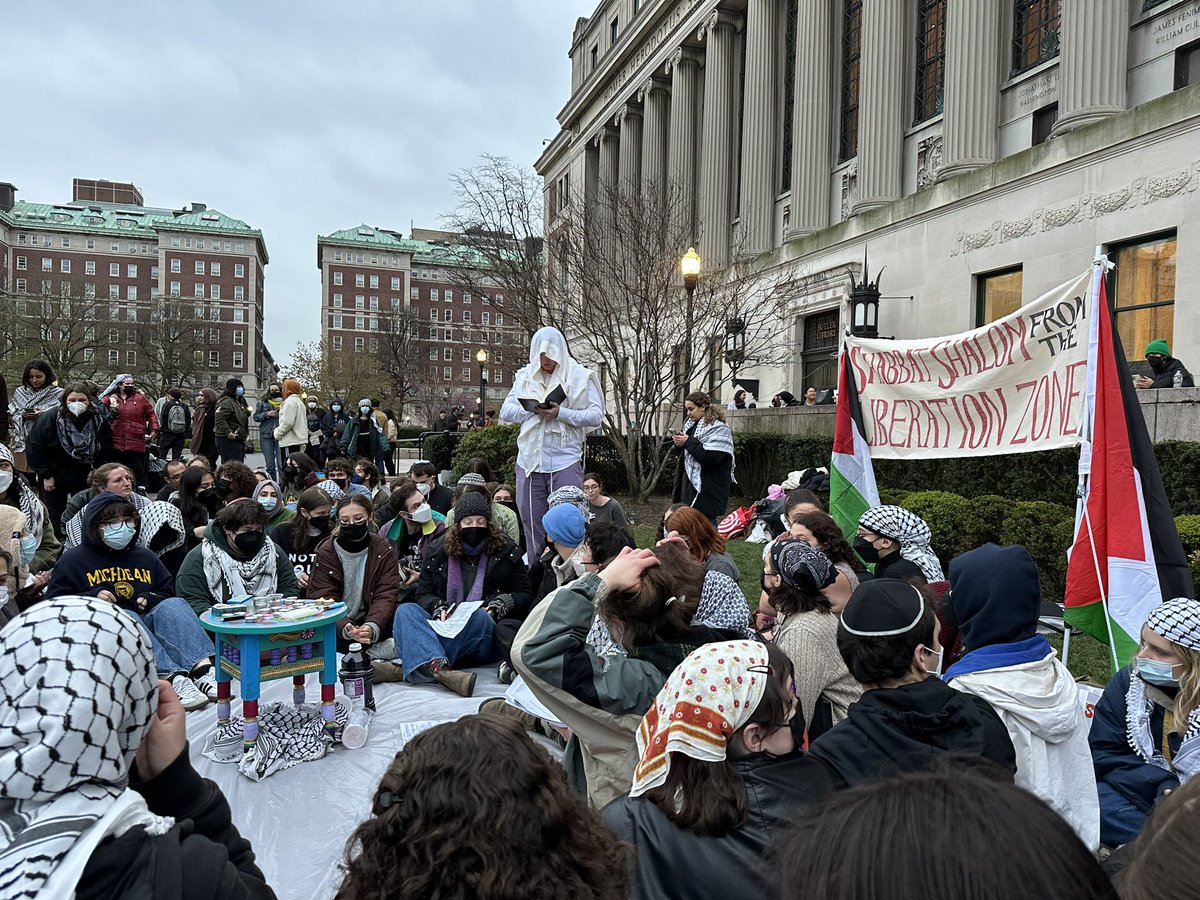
point(170, 341)
point(330, 373)
point(618, 288)
point(402, 354)
point(63, 323)
point(499, 218)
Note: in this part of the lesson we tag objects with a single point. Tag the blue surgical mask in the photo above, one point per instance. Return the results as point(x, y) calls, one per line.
point(268, 503)
point(29, 545)
point(1158, 673)
point(239, 391)
point(118, 535)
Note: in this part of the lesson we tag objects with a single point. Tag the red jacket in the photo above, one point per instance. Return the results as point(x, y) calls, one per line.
point(131, 417)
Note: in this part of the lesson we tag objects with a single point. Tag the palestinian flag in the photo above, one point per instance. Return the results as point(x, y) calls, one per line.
point(1127, 557)
point(852, 488)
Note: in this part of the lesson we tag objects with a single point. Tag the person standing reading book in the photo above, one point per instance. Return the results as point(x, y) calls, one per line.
point(556, 401)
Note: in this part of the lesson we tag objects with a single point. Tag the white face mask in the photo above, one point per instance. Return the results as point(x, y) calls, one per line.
point(424, 489)
point(936, 671)
point(77, 407)
point(6, 479)
point(421, 514)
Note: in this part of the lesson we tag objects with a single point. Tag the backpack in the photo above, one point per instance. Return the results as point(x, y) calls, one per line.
point(177, 418)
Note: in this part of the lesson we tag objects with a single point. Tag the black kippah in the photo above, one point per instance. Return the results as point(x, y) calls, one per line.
point(883, 607)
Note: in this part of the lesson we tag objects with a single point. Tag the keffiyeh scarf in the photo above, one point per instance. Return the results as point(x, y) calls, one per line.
point(228, 577)
point(79, 689)
point(73, 530)
point(26, 399)
point(35, 513)
point(911, 531)
point(714, 435)
point(1138, 710)
point(703, 703)
point(287, 736)
point(155, 517)
point(79, 437)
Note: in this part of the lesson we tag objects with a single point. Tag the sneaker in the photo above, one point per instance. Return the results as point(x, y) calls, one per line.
point(189, 695)
point(207, 683)
point(506, 673)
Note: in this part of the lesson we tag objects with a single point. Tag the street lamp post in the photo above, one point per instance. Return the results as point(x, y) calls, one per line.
point(689, 265)
point(482, 357)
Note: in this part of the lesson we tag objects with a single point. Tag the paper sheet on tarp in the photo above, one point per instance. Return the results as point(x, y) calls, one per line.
point(298, 820)
point(520, 696)
point(454, 625)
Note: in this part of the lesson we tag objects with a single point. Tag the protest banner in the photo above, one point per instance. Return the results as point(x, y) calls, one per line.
point(1014, 385)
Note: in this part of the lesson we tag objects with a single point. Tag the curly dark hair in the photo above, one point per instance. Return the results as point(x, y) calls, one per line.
point(474, 809)
point(241, 480)
point(830, 539)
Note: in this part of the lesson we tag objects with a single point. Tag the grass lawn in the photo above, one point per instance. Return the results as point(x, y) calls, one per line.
point(1089, 657)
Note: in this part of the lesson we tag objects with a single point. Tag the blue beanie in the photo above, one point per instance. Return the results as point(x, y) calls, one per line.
point(565, 525)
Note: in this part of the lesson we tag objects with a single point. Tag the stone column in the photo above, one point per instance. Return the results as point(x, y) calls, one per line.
point(881, 93)
point(609, 173)
point(970, 121)
point(812, 120)
point(760, 130)
point(684, 69)
point(716, 146)
point(1094, 52)
point(656, 102)
point(629, 120)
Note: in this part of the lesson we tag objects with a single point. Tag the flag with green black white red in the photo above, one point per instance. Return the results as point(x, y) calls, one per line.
point(1127, 557)
point(852, 489)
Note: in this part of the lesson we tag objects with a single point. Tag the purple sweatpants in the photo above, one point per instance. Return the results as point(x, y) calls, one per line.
point(533, 489)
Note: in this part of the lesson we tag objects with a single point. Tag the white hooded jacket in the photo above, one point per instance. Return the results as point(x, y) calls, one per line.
point(1039, 705)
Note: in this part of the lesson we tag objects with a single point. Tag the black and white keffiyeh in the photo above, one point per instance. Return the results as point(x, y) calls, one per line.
point(80, 689)
point(1139, 708)
point(911, 531)
point(715, 435)
point(35, 513)
point(26, 400)
point(227, 577)
point(163, 521)
point(287, 736)
point(1177, 620)
point(73, 530)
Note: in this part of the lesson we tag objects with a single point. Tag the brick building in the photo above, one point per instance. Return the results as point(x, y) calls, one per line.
point(373, 279)
point(146, 279)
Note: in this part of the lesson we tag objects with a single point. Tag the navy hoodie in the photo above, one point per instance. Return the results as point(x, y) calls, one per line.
point(93, 566)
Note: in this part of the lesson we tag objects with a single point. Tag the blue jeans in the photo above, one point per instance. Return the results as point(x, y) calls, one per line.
point(178, 638)
point(270, 450)
point(1120, 819)
point(418, 645)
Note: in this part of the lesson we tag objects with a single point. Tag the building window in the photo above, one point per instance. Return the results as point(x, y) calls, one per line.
point(414, 293)
point(199, 244)
point(467, 297)
point(1035, 33)
point(374, 303)
point(466, 317)
point(214, 335)
point(819, 358)
point(131, 271)
point(447, 373)
point(240, 247)
point(48, 264)
point(131, 293)
point(239, 359)
point(375, 281)
point(360, 344)
point(89, 267)
point(114, 292)
point(789, 94)
point(214, 359)
point(931, 59)
point(239, 315)
point(448, 354)
point(1141, 291)
point(595, 55)
point(337, 322)
point(360, 281)
point(359, 323)
point(360, 302)
point(214, 291)
point(22, 266)
point(433, 353)
point(466, 373)
point(114, 357)
point(1187, 65)
point(614, 28)
point(433, 294)
point(214, 314)
point(199, 291)
point(174, 289)
point(199, 267)
point(466, 355)
point(485, 317)
point(433, 314)
point(64, 266)
point(23, 287)
point(997, 294)
point(90, 244)
point(239, 338)
point(214, 269)
point(851, 46)
point(337, 342)
point(239, 292)
point(449, 296)
point(337, 301)
point(175, 242)
point(499, 318)
point(239, 270)
point(175, 267)
point(1043, 124)
point(395, 282)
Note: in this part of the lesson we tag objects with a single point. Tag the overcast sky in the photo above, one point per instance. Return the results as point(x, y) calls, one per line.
point(299, 117)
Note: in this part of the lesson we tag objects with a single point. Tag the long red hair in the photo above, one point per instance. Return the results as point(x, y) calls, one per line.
point(703, 538)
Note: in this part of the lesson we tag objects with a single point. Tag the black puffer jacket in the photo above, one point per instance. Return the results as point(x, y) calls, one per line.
point(671, 862)
point(203, 856)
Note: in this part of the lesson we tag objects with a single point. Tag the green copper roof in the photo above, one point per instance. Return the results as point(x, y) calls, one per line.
point(130, 221)
point(423, 252)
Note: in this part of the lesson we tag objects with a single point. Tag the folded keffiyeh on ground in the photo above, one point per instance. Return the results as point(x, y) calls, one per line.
point(287, 736)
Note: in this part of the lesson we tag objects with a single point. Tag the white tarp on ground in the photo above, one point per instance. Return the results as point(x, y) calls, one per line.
point(299, 819)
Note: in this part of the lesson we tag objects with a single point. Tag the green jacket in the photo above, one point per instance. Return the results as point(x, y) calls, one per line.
point(379, 442)
point(192, 586)
point(232, 414)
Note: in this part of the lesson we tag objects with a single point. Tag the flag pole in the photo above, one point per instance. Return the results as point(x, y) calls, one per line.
point(1083, 519)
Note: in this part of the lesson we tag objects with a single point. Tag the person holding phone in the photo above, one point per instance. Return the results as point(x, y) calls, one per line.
point(550, 445)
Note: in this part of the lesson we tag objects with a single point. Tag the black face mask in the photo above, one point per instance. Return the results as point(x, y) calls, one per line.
point(511, 504)
point(276, 393)
point(1157, 363)
point(249, 543)
point(340, 481)
point(128, 389)
point(290, 474)
point(352, 535)
point(474, 537)
point(321, 523)
point(224, 487)
point(208, 499)
point(866, 550)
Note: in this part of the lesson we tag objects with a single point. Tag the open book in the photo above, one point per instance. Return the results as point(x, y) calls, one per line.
point(558, 395)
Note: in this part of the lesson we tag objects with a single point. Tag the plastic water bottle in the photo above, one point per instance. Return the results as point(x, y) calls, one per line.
point(1177, 378)
point(357, 678)
point(354, 735)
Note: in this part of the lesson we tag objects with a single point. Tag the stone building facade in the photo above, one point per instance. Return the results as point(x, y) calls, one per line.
point(980, 150)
